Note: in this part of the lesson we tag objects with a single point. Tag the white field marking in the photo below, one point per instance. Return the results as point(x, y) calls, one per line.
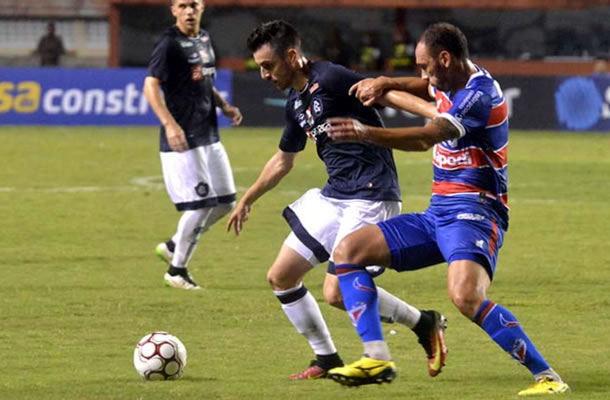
point(155, 183)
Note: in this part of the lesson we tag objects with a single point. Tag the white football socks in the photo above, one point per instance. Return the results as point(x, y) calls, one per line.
point(191, 226)
point(377, 349)
point(187, 236)
point(393, 309)
point(306, 317)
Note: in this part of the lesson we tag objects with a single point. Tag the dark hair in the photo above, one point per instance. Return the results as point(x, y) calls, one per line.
point(444, 36)
point(278, 33)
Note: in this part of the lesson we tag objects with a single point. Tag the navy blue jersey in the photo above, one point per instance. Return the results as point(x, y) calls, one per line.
point(355, 170)
point(186, 68)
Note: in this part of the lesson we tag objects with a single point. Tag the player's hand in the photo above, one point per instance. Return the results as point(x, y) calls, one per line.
point(233, 114)
point(176, 138)
point(368, 90)
point(347, 129)
point(238, 217)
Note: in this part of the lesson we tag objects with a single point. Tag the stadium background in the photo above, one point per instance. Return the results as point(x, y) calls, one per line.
point(542, 51)
point(83, 204)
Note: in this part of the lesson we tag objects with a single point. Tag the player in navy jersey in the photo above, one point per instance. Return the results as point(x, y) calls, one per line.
point(468, 213)
point(180, 89)
point(362, 189)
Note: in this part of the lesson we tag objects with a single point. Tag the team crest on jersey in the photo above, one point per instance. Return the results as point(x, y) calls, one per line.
point(297, 103)
point(202, 189)
point(316, 106)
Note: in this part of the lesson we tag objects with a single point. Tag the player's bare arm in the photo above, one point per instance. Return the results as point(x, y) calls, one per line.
point(174, 133)
point(370, 90)
point(407, 102)
point(227, 109)
point(278, 166)
point(407, 139)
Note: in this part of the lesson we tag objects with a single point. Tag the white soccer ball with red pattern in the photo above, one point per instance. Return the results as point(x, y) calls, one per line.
point(160, 356)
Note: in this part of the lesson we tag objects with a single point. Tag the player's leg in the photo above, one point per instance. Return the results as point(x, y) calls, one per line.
point(187, 181)
point(391, 308)
point(285, 277)
point(222, 184)
point(471, 266)
point(404, 243)
point(366, 246)
point(356, 214)
point(214, 179)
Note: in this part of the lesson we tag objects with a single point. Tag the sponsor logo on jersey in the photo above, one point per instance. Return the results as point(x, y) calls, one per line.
point(301, 120)
point(185, 44)
point(471, 216)
point(196, 72)
point(205, 55)
point(309, 117)
point(315, 133)
point(448, 160)
point(316, 105)
point(202, 189)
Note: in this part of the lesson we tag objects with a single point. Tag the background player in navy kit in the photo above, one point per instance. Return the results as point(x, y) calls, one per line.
point(195, 165)
point(362, 189)
point(468, 212)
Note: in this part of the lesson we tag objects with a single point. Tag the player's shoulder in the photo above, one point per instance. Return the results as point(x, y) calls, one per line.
point(327, 70)
point(168, 37)
point(483, 81)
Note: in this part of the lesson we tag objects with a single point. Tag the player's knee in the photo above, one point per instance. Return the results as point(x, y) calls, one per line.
point(467, 302)
point(279, 281)
point(332, 295)
point(346, 252)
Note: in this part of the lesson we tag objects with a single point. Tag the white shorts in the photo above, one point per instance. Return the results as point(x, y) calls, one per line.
point(319, 223)
point(199, 177)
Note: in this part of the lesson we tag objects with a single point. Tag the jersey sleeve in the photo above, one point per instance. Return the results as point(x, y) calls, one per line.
point(293, 138)
point(470, 110)
point(158, 66)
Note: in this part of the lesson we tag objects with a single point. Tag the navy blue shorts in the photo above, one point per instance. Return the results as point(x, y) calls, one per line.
point(444, 234)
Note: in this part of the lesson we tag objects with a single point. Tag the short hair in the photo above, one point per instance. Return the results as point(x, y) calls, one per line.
point(277, 33)
point(444, 36)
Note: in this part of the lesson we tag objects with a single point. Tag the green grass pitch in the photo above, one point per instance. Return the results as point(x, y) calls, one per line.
point(83, 208)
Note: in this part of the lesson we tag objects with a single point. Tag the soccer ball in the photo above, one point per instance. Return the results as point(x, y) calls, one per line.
point(160, 356)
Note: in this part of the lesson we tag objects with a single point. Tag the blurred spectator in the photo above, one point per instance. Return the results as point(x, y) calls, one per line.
point(403, 51)
point(50, 47)
point(336, 50)
point(369, 54)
